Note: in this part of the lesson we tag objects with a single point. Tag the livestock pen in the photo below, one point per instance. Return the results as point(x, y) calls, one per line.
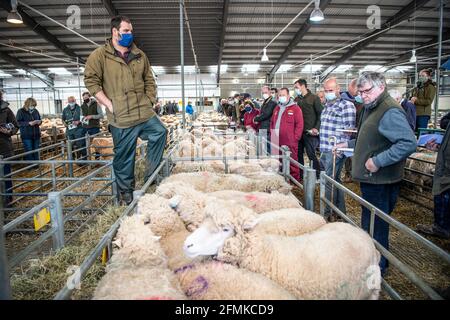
point(408, 279)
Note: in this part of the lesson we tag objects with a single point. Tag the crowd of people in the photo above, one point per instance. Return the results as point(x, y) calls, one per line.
point(119, 76)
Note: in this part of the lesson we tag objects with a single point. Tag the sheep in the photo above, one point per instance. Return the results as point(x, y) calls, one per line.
point(417, 162)
point(336, 261)
point(138, 269)
point(103, 147)
point(197, 166)
point(259, 201)
point(205, 181)
point(289, 222)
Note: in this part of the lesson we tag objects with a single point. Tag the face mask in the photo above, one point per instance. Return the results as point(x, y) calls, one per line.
point(126, 39)
point(423, 79)
point(359, 99)
point(298, 92)
point(248, 109)
point(72, 105)
point(330, 96)
point(283, 100)
point(266, 96)
point(87, 100)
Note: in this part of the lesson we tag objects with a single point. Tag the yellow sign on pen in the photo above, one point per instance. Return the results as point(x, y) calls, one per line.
point(105, 255)
point(41, 219)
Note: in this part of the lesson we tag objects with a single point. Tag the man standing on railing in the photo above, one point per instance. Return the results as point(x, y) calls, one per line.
point(119, 75)
point(338, 114)
point(92, 114)
point(384, 142)
point(286, 127)
point(71, 117)
point(8, 128)
point(441, 186)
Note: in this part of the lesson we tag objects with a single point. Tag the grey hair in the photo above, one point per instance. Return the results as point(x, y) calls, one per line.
point(376, 79)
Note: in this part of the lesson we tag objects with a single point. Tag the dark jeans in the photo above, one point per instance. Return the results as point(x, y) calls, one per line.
point(79, 144)
point(422, 122)
point(384, 197)
point(92, 131)
point(125, 141)
point(310, 144)
point(442, 211)
point(29, 145)
point(338, 196)
point(8, 185)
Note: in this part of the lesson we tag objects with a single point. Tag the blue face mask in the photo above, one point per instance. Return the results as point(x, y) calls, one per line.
point(358, 99)
point(248, 109)
point(298, 92)
point(283, 100)
point(72, 105)
point(330, 96)
point(126, 39)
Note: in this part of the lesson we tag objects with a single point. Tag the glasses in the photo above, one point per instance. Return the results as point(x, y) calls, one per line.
point(366, 91)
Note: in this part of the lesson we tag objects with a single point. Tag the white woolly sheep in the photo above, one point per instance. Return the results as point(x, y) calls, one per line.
point(210, 182)
point(259, 201)
point(198, 166)
point(138, 269)
point(336, 261)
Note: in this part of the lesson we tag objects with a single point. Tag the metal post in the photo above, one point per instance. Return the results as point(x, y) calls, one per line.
point(196, 89)
point(137, 194)
point(439, 62)
point(5, 286)
point(88, 146)
point(372, 221)
point(56, 212)
point(182, 60)
point(322, 193)
point(309, 187)
point(70, 157)
point(115, 191)
point(53, 176)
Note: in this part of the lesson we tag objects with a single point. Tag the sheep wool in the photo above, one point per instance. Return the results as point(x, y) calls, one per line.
point(336, 261)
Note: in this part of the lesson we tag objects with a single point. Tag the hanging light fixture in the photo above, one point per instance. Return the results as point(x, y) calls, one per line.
point(13, 16)
point(264, 58)
point(317, 14)
point(413, 58)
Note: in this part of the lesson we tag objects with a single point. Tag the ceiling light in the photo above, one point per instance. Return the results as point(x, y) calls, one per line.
point(317, 14)
point(13, 16)
point(265, 58)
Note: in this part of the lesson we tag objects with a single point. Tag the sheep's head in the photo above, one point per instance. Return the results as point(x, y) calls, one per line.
point(222, 233)
point(170, 189)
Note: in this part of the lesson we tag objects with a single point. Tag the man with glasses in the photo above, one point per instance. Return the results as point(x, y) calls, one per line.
point(338, 115)
point(384, 141)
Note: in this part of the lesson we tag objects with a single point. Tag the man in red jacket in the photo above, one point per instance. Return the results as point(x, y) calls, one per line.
point(287, 126)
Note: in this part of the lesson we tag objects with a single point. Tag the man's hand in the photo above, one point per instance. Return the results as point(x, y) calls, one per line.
point(88, 117)
point(413, 100)
point(76, 123)
point(370, 165)
point(339, 146)
point(432, 145)
point(314, 132)
point(4, 130)
point(32, 123)
point(254, 121)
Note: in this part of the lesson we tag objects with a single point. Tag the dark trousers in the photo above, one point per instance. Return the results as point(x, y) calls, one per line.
point(384, 197)
point(30, 145)
point(125, 141)
point(422, 122)
point(92, 131)
point(309, 144)
point(80, 144)
point(442, 211)
point(338, 196)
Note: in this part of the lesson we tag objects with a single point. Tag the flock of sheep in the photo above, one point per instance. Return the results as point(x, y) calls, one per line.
point(209, 235)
